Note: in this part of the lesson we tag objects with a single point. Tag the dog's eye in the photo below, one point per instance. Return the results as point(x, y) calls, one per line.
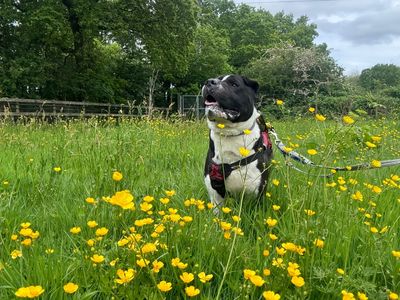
point(234, 84)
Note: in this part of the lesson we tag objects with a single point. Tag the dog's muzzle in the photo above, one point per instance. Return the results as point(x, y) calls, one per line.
point(215, 113)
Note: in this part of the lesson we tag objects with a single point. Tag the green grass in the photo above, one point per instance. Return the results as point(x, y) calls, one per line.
point(155, 156)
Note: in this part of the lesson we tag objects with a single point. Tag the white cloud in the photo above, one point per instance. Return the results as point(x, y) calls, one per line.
point(360, 33)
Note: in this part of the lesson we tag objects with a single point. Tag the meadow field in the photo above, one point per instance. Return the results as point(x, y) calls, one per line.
point(117, 209)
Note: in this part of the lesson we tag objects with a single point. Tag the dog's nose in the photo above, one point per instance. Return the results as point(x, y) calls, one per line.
point(212, 82)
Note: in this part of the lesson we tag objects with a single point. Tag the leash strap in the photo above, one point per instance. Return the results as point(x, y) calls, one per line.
point(304, 160)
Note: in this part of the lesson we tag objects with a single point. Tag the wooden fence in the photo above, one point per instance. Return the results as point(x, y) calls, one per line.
point(16, 108)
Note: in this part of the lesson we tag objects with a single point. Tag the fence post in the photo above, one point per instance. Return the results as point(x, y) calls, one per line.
point(197, 108)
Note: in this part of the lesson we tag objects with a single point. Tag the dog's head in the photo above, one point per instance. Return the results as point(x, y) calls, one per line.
point(229, 98)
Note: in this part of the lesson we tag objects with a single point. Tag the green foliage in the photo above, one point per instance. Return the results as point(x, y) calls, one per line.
point(148, 51)
point(295, 74)
point(380, 76)
point(113, 51)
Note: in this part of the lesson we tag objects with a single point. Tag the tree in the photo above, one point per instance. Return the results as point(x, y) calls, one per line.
point(251, 31)
point(380, 76)
point(295, 73)
point(209, 58)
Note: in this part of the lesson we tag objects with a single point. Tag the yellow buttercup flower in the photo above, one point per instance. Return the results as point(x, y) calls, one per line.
point(15, 254)
point(26, 242)
point(247, 131)
point(312, 151)
point(244, 151)
point(370, 145)
point(225, 226)
point(247, 273)
point(293, 271)
point(362, 296)
point(124, 199)
point(376, 139)
point(101, 231)
point(236, 218)
point(347, 295)
point(257, 280)
point(70, 288)
point(125, 276)
point(90, 200)
point(311, 109)
point(374, 230)
point(287, 149)
point(142, 262)
point(97, 259)
point(92, 224)
point(25, 225)
point(26, 232)
point(340, 271)
point(273, 236)
point(276, 207)
point(279, 102)
point(319, 243)
point(278, 262)
point(309, 212)
point(204, 278)
point(164, 286)
point(117, 176)
point(320, 118)
point(29, 292)
point(57, 169)
point(170, 193)
point(149, 248)
point(393, 296)
point(396, 254)
point(75, 230)
point(148, 198)
point(164, 200)
point(357, 196)
point(271, 222)
point(376, 189)
point(275, 182)
point(157, 265)
point(221, 126)
point(298, 281)
point(270, 295)
point(348, 120)
point(187, 277)
point(145, 206)
point(266, 272)
point(376, 163)
point(191, 291)
point(176, 262)
point(226, 210)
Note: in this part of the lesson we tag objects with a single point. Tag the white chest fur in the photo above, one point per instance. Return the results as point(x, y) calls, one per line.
point(227, 142)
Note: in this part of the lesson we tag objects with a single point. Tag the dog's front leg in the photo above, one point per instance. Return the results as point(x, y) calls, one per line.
point(216, 199)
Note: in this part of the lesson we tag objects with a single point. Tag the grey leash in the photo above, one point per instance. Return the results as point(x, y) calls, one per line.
point(304, 160)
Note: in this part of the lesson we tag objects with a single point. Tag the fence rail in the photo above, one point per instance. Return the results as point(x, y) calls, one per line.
point(13, 107)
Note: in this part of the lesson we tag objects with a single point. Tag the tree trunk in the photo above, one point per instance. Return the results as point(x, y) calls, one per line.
point(152, 86)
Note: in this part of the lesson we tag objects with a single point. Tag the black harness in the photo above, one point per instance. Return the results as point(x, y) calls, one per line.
point(220, 172)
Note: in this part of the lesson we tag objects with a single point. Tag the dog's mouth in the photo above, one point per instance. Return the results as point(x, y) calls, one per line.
point(210, 101)
point(215, 112)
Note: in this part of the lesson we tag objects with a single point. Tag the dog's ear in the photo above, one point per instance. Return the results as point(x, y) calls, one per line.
point(251, 83)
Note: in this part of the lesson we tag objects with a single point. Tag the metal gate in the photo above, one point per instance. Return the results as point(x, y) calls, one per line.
point(191, 106)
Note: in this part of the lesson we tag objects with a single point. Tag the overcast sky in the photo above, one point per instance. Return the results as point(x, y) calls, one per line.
point(359, 33)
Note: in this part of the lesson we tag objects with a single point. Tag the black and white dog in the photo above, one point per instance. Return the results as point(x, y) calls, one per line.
point(235, 124)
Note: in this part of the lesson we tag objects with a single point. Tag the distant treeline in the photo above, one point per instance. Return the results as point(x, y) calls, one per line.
point(147, 51)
